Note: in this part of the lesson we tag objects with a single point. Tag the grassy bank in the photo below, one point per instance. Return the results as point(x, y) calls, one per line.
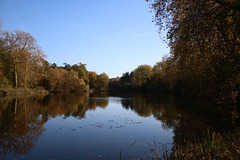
point(211, 146)
point(21, 91)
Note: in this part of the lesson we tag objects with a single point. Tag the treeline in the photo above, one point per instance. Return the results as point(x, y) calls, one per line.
point(168, 76)
point(204, 41)
point(75, 78)
point(163, 77)
point(23, 65)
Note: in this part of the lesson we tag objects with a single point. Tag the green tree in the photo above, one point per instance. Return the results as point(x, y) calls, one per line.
point(114, 84)
point(126, 78)
point(141, 75)
point(102, 81)
point(67, 66)
point(54, 65)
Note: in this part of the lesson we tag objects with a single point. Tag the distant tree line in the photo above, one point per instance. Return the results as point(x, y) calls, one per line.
point(23, 65)
point(159, 78)
point(137, 80)
point(73, 78)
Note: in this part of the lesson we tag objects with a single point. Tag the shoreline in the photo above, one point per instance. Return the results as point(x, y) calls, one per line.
point(21, 91)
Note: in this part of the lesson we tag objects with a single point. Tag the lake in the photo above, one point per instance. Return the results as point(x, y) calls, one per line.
point(101, 126)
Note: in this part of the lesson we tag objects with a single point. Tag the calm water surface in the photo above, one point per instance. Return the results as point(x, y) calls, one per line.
point(105, 126)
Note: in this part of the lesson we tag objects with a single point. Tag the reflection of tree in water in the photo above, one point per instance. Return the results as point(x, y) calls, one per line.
point(65, 104)
point(99, 99)
point(197, 117)
point(22, 119)
point(187, 117)
point(141, 106)
point(103, 103)
point(148, 105)
point(20, 127)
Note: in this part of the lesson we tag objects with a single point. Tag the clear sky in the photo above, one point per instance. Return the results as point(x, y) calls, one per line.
point(111, 36)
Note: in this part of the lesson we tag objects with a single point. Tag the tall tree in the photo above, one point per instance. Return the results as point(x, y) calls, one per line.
point(22, 52)
point(204, 37)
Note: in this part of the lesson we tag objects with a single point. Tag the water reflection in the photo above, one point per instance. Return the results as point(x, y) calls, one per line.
point(70, 105)
point(188, 117)
point(22, 119)
point(20, 126)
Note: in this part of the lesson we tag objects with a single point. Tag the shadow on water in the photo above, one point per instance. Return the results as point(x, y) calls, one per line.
point(188, 117)
point(22, 119)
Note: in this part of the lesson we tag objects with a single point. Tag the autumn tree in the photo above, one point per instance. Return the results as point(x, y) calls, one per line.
point(19, 53)
point(23, 64)
point(82, 71)
point(92, 76)
point(204, 37)
point(61, 80)
point(53, 79)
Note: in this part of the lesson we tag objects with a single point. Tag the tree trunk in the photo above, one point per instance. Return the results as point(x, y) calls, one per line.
point(25, 76)
point(15, 109)
point(16, 76)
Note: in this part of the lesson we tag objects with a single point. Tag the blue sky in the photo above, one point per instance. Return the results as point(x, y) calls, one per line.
point(111, 36)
